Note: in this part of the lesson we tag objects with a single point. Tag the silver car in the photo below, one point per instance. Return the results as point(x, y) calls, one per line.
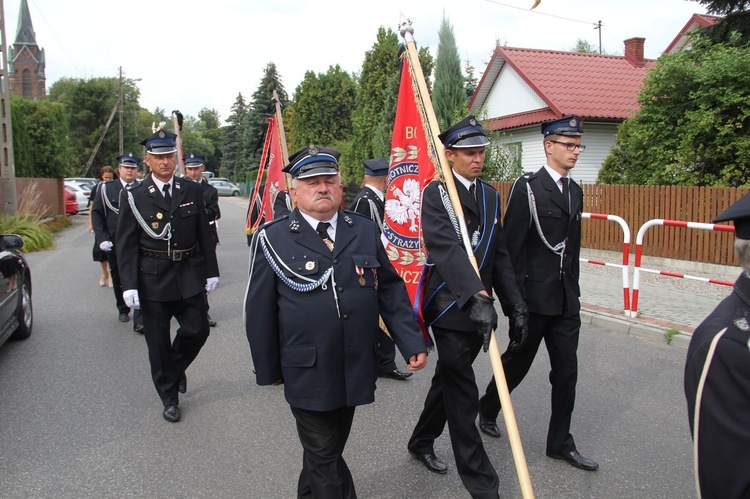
point(225, 188)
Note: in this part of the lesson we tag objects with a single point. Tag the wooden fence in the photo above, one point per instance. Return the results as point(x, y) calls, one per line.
point(637, 204)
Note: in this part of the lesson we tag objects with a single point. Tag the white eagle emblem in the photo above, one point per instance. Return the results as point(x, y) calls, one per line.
point(406, 207)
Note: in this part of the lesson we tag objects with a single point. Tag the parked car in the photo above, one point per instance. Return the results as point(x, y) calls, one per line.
point(71, 204)
point(82, 194)
point(16, 313)
point(225, 188)
point(86, 183)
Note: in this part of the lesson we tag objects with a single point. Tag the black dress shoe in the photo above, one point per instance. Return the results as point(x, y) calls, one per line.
point(431, 462)
point(489, 427)
point(211, 322)
point(171, 413)
point(124, 317)
point(396, 374)
point(575, 459)
point(138, 328)
point(182, 387)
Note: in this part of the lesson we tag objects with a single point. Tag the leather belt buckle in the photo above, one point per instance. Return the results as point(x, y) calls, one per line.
point(176, 256)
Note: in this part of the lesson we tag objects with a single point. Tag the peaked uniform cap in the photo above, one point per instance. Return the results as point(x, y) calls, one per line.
point(377, 167)
point(567, 125)
point(313, 161)
point(194, 161)
point(466, 133)
point(128, 160)
point(160, 142)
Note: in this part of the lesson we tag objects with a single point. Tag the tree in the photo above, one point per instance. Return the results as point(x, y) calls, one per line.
point(323, 105)
point(693, 124)
point(88, 104)
point(470, 81)
point(210, 120)
point(736, 19)
point(449, 96)
point(261, 108)
point(40, 139)
point(379, 69)
point(231, 158)
point(585, 47)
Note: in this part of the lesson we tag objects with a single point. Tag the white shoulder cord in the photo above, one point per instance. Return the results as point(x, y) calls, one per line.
point(165, 235)
point(116, 211)
point(559, 248)
point(375, 214)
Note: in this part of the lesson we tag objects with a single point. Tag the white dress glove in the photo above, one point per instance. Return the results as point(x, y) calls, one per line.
point(106, 246)
point(131, 298)
point(211, 284)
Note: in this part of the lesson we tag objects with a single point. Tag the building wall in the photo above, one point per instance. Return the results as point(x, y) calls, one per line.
point(511, 95)
point(598, 138)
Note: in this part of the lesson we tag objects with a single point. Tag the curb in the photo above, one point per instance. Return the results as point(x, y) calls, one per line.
point(648, 329)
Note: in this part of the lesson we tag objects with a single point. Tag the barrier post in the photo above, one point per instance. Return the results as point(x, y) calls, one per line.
point(625, 255)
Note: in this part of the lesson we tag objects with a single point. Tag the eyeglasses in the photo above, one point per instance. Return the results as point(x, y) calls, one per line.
point(570, 146)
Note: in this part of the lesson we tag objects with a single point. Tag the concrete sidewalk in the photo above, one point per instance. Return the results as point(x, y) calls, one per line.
point(664, 302)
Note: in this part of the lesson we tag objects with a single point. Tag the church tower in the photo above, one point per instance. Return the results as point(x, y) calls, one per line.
point(26, 60)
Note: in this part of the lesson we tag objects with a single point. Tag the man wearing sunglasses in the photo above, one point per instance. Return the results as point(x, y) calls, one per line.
point(543, 231)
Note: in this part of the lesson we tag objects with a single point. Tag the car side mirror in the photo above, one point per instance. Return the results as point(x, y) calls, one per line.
point(11, 241)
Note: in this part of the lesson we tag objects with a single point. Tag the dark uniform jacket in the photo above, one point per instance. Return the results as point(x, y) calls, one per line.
point(161, 279)
point(364, 202)
point(281, 205)
point(325, 353)
point(211, 198)
point(537, 268)
point(721, 347)
point(452, 280)
point(103, 219)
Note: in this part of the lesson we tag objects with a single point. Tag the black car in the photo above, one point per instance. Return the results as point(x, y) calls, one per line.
point(16, 316)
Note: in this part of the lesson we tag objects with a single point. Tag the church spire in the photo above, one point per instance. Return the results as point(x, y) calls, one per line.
point(25, 34)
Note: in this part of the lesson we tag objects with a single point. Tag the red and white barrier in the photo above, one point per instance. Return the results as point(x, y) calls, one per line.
point(625, 255)
point(639, 252)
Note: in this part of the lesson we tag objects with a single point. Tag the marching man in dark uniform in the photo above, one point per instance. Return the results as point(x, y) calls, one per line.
point(370, 202)
point(194, 167)
point(543, 225)
point(104, 215)
point(459, 307)
point(318, 280)
point(717, 381)
point(167, 258)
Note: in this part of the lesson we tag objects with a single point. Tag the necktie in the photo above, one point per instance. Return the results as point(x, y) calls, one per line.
point(566, 191)
point(473, 191)
point(167, 196)
point(323, 233)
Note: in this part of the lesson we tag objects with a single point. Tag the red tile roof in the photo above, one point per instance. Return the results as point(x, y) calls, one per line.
point(593, 86)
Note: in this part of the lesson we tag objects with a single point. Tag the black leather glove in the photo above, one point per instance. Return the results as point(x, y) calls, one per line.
point(519, 327)
point(483, 316)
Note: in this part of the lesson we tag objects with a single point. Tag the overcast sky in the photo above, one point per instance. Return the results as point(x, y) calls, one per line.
point(191, 54)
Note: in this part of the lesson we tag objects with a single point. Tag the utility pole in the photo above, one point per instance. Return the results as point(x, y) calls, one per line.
point(598, 26)
point(7, 163)
point(120, 102)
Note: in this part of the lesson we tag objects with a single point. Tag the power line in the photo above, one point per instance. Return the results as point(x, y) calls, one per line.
point(540, 13)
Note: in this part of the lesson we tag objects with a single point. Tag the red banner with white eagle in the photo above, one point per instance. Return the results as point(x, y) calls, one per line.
point(411, 169)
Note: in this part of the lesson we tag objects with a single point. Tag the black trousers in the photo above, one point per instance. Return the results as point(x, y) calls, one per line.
point(453, 398)
point(169, 359)
point(323, 435)
point(117, 288)
point(560, 334)
point(386, 353)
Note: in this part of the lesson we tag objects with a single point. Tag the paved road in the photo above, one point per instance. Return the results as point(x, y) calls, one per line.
point(79, 417)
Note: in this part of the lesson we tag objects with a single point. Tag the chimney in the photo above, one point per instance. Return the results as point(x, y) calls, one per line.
point(634, 51)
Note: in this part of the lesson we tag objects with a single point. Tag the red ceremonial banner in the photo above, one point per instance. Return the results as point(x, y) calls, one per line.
point(271, 164)
point(410, 170)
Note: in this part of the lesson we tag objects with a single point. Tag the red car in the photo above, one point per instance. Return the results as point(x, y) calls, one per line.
point(71, 205)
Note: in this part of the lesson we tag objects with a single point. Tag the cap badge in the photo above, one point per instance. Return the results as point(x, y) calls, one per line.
point(473, 122)
point(130, 154)
point(574, 122)
point(313, 151)
point(161, 134)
